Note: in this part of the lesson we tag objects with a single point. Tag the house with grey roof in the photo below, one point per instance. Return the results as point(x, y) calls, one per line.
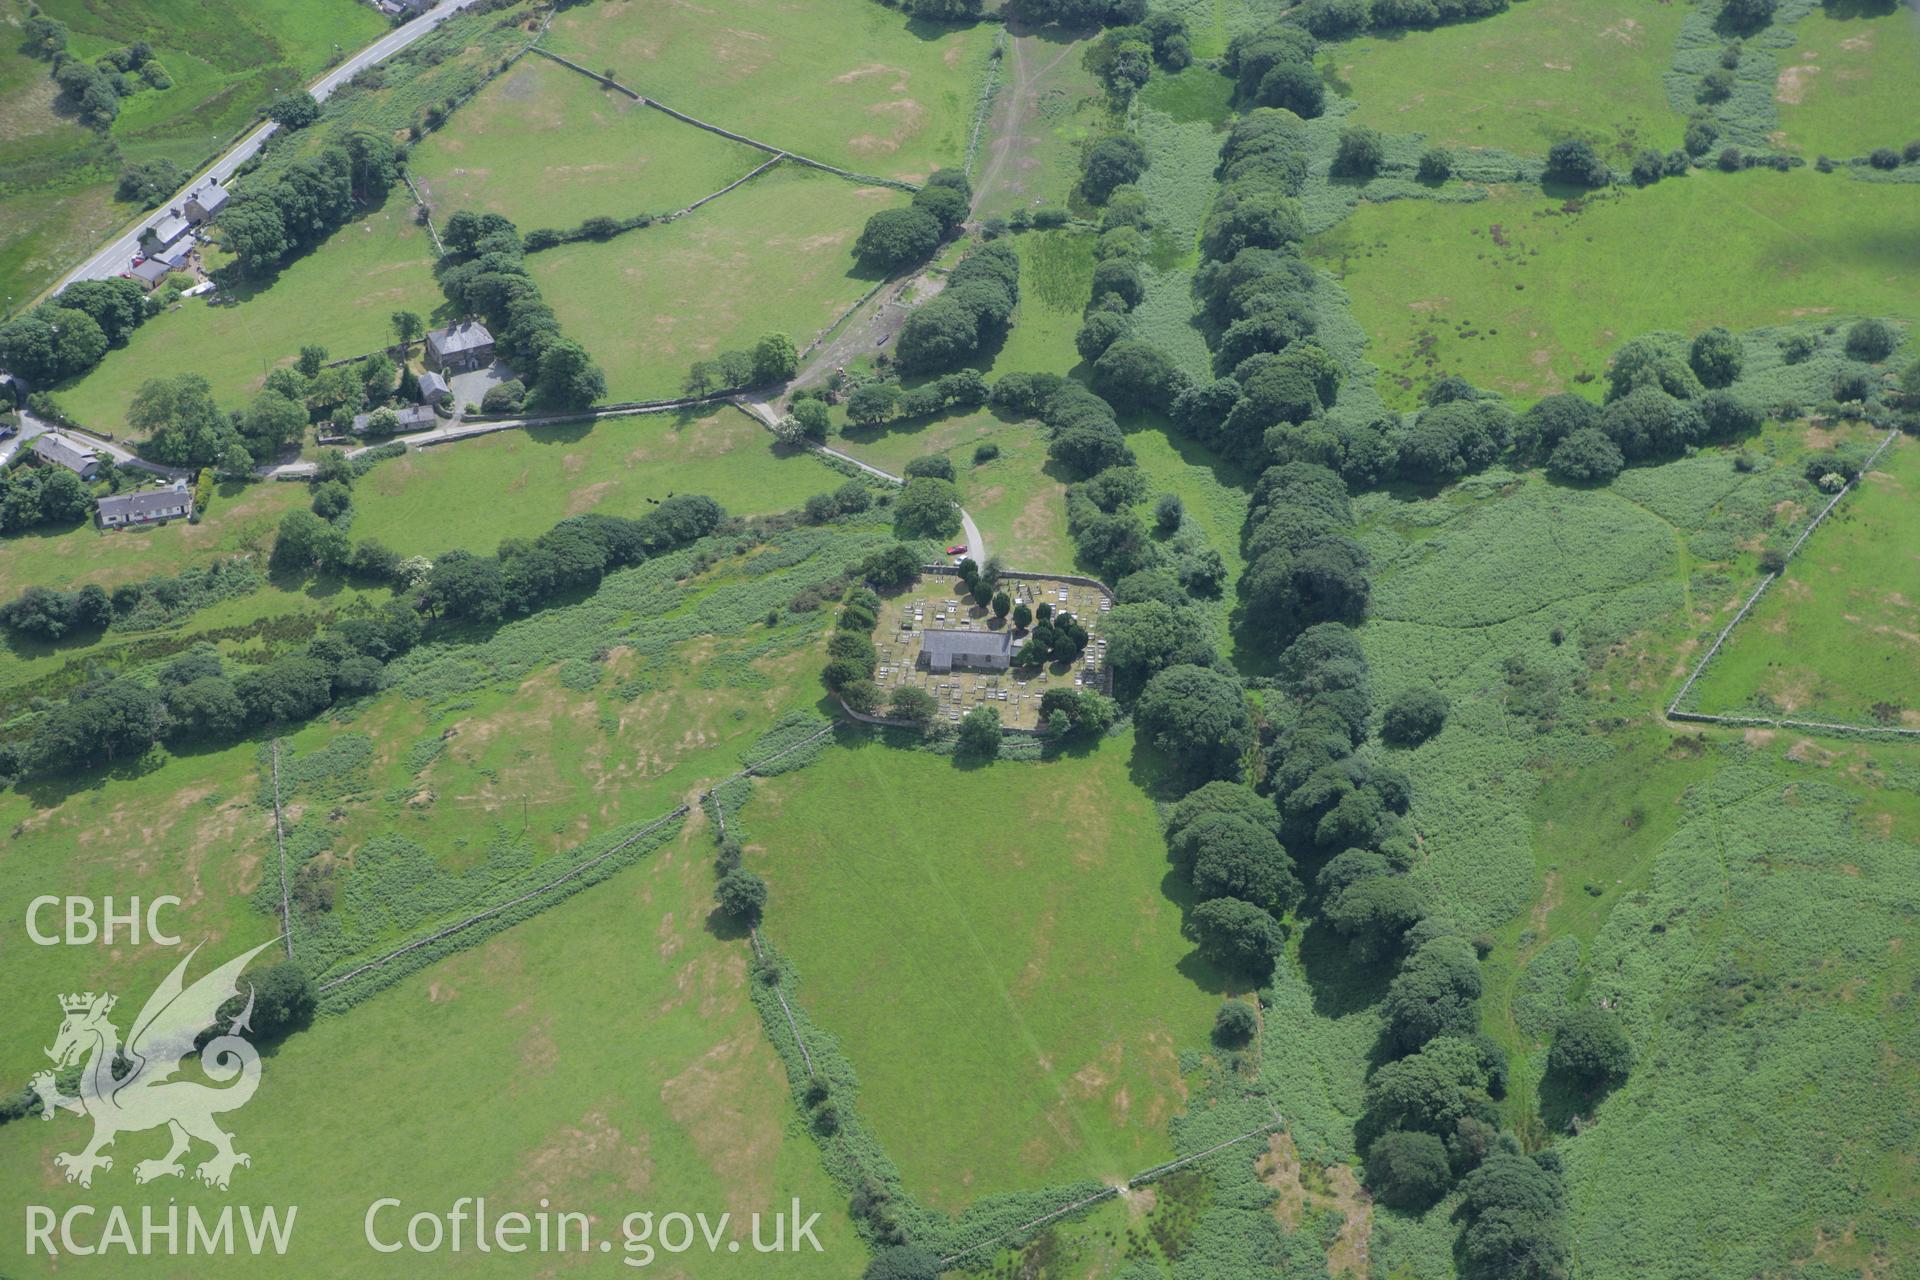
point(977, 650)
point(65, 451)
point(151, 272)
point(460, 348)
point(206, 203)
point(166, 233)
point(434, 388)
point(415, 417)
point(146, 506)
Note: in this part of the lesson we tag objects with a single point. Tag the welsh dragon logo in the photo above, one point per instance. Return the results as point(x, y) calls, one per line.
point(129, 1088)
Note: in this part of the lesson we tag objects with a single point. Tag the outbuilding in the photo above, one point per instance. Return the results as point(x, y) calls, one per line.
point(166, 233)
point(65, 451)
point(415, 417)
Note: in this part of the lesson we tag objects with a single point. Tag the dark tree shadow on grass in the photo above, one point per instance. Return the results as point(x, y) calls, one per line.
point(1340, 984)
point(1562, 1101)
point(725, 926)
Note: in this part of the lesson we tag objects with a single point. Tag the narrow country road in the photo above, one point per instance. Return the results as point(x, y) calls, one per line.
point(761, 409)
point(31, 426)
point(117, 257)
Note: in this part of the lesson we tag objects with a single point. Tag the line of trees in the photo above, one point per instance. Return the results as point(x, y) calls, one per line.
point(484, 273)
point(774, 359)
point(93, 90)
point(1340, 19)
point(1124, 57)
point(47, 613)
point(267, 223)
point(970, 313)
point(184, 426)
point(896, 238)
point(69, 334)
point(119, 717)
point(1333, 802)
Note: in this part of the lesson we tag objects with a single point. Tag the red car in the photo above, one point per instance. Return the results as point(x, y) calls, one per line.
point(956, 551)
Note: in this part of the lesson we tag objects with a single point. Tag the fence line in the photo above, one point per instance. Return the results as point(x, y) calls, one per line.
point(476, 918)
point(868, 178)
point(280, 847)
point(1673, 707)
point(681, 213)
point(426, 215)
point(1107, 1193)
point(984, 107)
point(785, 1008)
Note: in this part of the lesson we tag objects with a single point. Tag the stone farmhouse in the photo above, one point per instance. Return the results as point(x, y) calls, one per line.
point(460, 348)
point(206, 203)
point(942, 651)
point(146, 506)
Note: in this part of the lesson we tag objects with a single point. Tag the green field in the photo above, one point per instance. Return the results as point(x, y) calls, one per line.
point(1841, 86)
point(1020, 508)
point(1046, 107)
point(1696, 881)
point(853, 85)
point(239, 519)
point(1524, 294)
point(1056, 274)
point(227, 61)
point(548, 147)
point(339, 296)
point(444, 792)
point(1836, 637)
point(649, 1087)
point(516, 484)
point(775, 255)
point(1522, 80)
point(1037, 990)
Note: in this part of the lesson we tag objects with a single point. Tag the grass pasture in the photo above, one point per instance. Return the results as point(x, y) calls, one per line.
point(1056, 275)
point(643, 1083)
point(1020, 508)
point(1527, 294)
point(1521, 80)
point(548, 147)
point(1838, 635)
point(339, 296)
point(1695, 881)
point(1036, 989)
point(860, 87)
point(516, 484)
point(1841, 86)
point(240, 518)
point(1046, 107)
point(489, 757)
point(775, 255)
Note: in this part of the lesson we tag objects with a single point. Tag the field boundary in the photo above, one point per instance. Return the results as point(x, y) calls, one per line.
point(983, 108)
point(866, 179)
point(280, 848)
point(1699, 717)
point(1136, 1181)
point(438, 935)
point(447, 932)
